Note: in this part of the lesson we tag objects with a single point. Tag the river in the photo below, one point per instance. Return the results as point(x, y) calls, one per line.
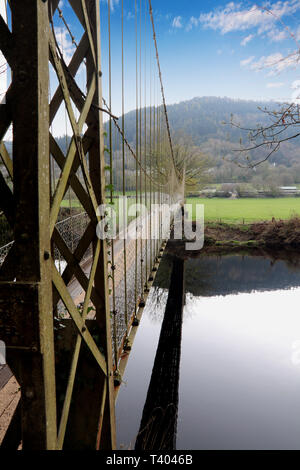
point(239, 384)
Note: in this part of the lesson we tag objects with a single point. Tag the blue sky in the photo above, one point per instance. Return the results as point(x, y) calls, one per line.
point(207, 48)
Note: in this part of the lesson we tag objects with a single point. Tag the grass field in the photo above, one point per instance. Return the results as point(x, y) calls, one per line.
point(247, 210)
point(236, 210)
point(74, 203)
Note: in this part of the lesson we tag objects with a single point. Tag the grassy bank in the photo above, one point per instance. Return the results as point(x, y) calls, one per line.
point(245, 210)
point(276, 234)
point(256, 238)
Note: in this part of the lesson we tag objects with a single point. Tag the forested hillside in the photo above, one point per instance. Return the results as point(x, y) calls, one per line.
point(206, 121)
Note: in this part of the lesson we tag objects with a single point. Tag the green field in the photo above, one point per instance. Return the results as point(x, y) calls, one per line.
point(246, 210)
point(74, 203)
point(236, 210)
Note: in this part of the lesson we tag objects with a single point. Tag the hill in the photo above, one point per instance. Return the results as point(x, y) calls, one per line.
point(203, 120)
point(207, 121)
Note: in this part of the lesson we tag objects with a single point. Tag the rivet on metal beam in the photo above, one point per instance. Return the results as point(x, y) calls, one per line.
point(117, 378)
point(127, 345)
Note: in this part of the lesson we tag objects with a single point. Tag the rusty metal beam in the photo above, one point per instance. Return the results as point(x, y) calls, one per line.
point(73, 179)
point(71, 260)
point(107, 425)
point(32, 355)
point(73, 67)
point(4, 155)
point(26, 285)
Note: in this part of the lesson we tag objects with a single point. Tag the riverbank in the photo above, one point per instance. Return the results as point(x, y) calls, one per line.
point(273, 234)
point(223, 238)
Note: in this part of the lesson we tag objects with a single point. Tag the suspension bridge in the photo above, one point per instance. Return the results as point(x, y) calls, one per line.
point(71, 301)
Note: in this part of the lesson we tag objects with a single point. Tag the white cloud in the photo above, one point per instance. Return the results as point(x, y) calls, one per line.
point(274, 84)
point(236, 17)
point(177, 22)
point(65, 43)
point(276, 36)
point(268, 61)
point(246, 62)
point(113, 3)
point(276, 63)
point(295, 85)
point(247, 39)
point(193, 22)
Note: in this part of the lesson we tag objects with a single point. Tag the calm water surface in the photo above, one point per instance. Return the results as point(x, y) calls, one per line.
point(240, 363)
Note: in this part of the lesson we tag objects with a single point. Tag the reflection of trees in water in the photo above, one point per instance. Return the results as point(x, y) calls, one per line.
point(156, 304)
point(293, 263)
point(290, 258)
point(198, 276)
point(192, 310)
point(163, 275)
point(209, 275)
point(205, 276)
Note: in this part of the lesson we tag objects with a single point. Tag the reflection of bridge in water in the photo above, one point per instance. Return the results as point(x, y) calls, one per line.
point(159, 421)
point(69, 302)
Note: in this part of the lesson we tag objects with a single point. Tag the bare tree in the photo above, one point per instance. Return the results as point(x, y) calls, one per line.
point(282, 123)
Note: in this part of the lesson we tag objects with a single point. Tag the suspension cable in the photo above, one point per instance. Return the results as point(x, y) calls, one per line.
point(162, 88)
point(123, 177)
point(113, 267)
point(137, 152)
point(67, 26)
point(141, 154)
point(145, 151)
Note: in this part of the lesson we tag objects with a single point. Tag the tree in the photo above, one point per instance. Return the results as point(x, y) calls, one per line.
point(188, 160)
point(284, 126)
point(283, 122)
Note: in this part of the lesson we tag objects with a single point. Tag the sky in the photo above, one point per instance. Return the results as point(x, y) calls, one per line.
point(216, 48)
point(237, 49)
point(226, 49)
